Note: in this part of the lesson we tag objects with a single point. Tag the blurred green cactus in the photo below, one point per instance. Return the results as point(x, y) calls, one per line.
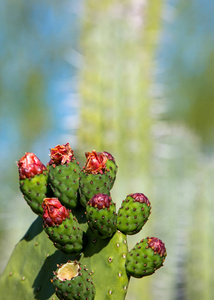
point(75, 255)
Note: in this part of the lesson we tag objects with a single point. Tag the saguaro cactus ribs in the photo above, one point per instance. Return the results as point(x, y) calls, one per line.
point(77, 247)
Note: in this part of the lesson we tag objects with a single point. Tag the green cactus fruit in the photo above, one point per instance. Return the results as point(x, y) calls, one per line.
point(61, 226)
point(64, 175)
point(111, 166)
point(133, 213)
point(146, 257)
point(94, 177)
point(72, 281)
point(101, 215)
point(33, 180)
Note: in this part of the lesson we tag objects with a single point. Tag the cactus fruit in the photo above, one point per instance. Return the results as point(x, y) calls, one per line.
point(72, 281)
point(133, 213)
point(33, 180)
point(101, 215)
point(146, 257)
point(91, 234)
point(111, 166)
point(61, 226)
point(94, 177)
point(64, 175)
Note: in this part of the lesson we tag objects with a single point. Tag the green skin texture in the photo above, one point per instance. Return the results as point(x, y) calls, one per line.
point(141, 261)
point(31, 266)
point(30, 269)
point(67, 237)
point(64, 181)
point(91, 184)
point(103, 222)
point(112, 167)
point(79, 287)
point(35, 190)
point(132, 216)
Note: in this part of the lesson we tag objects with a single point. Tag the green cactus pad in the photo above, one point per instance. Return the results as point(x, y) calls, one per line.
point(29, 271)
point(34, 190)
point(102, 219)
point(64, 181)
point(133, 213)
point(68, 236)
point(146, 257)
point(72, 281)
point(91, 184)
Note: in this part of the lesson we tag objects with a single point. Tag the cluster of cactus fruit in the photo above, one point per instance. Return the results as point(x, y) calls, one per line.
point(79, 217)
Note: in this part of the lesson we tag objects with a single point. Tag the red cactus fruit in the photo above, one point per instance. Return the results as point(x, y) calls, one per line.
point(100, 201)
point(53, 212)
point(157, 246)
point(61, 154)
point(139, 197)
point(109, 156)
point(29, 166)
point(96, 162)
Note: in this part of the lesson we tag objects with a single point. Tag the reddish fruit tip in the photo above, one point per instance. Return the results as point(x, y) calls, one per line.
point(139, 197)
point(96, 162)
point(61, 154)
point(53, 212)
point(29, 166)
point(109, 156)
point(100, 201)
point(157, 245)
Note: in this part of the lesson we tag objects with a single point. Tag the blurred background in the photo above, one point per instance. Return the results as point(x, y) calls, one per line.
point(134, 78)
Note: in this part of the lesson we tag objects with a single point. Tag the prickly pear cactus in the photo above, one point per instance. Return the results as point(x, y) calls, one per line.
point(81, 253)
